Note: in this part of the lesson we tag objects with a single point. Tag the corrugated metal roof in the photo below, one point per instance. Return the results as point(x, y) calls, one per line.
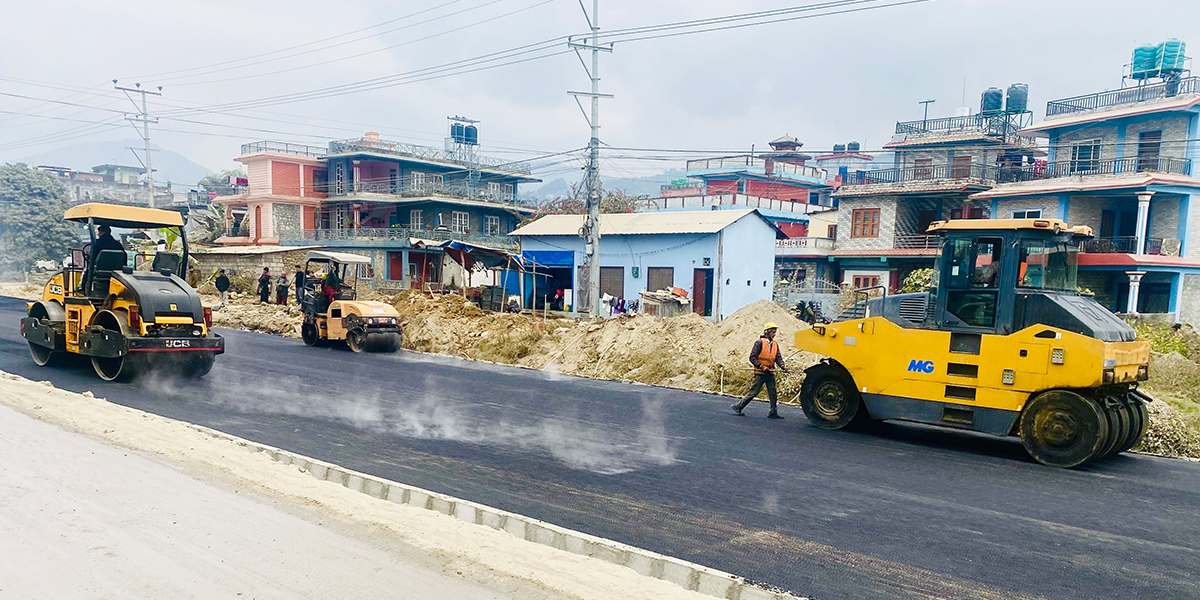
point(698, 221)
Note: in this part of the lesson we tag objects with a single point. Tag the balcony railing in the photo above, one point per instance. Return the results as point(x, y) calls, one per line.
point(1003, 125)
point(409, 189)
point(805, 243)
point(1110, 166)
point(1127, 244)
point(426, 152)
point(745, 160)
point(383, 234)
point(283, 148)
point(1142, 93)
point(909, 241)
point(921, 173)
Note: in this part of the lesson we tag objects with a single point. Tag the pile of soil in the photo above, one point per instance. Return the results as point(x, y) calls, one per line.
point(244, 312)
point(1175, 414)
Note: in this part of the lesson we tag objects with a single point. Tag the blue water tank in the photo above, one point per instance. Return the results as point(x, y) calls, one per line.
point(1171, 56)
point(1145, 62)
point(1018, 98)
point(456, 132)
point(839, 148)
point(471, 135)
point(853, 147)
point(992, 100)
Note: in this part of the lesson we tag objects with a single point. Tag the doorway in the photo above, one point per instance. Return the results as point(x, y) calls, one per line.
point(702, 292)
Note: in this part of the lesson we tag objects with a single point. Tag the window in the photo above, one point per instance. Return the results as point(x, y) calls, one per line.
point(974, 280)
point(865, 281)
point(414, 219)
point(493, 189)
point(961, 168)
point(977, 212)
point(660, 278)
point(418, 182)
point(612, 281)
point(1085, 156)
point(508, 191)
point(493, 225)
point(866, 223)
point(339, 179)
point(814, 197)
point(393, 181)
point(461, 221)
point(1048, 265)
point(741, 186)
point(1149, 143)
point(438, 182)
point(923, 168)
point(831, 233)
point(1031, 213)
point(321, 181)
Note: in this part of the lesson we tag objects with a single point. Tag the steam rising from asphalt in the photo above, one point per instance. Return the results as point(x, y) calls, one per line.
point(425, 412)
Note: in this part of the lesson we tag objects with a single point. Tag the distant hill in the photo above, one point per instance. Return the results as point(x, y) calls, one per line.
point(168, 166)
point(633, 186)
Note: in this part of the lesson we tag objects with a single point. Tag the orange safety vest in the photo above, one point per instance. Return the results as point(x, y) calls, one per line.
point(766, 356)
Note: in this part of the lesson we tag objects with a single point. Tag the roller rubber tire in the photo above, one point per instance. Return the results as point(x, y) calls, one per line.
point(1063, 429)
point(1118, 426)
point(829, 398)
point(1141, 418)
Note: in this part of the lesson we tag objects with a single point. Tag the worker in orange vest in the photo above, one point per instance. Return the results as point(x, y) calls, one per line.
point(765, 358)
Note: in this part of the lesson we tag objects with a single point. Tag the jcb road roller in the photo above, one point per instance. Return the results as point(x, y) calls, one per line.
point(332, 311)
point(127, 321)
point(1004, 343)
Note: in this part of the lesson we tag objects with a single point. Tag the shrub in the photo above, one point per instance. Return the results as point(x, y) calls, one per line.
point(917, 280)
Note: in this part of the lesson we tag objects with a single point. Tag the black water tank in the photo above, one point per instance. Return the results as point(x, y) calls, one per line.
point(456, 132)
point(471, 135)
point(992, 100)
point(1018, 98)
point(839, 147)
point(852, 147)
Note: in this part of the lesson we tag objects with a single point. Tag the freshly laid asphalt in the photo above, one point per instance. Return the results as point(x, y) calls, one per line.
point(902, 511)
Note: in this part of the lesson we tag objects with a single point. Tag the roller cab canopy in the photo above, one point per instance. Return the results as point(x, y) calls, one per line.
point(127, 217)
point(337, 257)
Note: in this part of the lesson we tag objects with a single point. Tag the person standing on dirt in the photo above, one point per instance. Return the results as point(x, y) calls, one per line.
point(193, 277)
point(222, 284)
point(300, 278)
point(765, 358)
point(264, 285)
point(281, 290)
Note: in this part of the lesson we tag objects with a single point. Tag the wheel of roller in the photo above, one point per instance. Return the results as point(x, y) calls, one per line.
point(357, 340)
point(199, 364)
point(1138, 423)
point(1063, 429)
point(1115, 427)
point(383, 342)
point(1120, 424)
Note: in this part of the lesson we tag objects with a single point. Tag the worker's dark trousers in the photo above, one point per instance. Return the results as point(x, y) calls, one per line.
point(761, 379)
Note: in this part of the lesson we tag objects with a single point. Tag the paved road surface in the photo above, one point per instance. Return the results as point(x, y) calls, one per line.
point(903, 512)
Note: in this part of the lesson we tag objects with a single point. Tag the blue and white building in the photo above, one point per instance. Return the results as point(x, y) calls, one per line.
point(725, 259)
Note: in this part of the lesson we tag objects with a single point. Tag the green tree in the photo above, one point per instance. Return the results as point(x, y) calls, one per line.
point(218, 181)
point(31, 218)
point(917, 280)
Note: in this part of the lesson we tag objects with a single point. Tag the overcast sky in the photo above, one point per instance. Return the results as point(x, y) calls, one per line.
point(824, 80)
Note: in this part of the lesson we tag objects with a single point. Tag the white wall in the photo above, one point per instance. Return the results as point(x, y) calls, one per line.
point(747, 264)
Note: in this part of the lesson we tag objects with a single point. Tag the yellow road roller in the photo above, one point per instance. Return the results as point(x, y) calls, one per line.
point(1004, 343)
point(333, 312)
point(127, 321)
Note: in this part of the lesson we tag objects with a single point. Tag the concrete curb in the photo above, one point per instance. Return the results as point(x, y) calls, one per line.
point(687, 575)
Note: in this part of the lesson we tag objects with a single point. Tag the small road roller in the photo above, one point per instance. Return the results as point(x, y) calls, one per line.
point(1004, 343)
point(332, 311)
point(127, 321)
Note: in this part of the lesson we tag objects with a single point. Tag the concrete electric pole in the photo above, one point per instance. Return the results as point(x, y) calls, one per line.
point(591, 228)
point(145, 119)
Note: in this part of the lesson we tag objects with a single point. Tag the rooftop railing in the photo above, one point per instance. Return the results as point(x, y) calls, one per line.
point(1003, 125)
point(425, 152)
point(921, 173)
point(992, 174)
point(754, 162)
point(916, 241)
point(397, 234)
point(813, 243)
point(283, 148)
point(408, 189)
point(1141, 93)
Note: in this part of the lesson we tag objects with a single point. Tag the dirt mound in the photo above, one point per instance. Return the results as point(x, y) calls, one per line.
point(244, 312)
point(1171, 432)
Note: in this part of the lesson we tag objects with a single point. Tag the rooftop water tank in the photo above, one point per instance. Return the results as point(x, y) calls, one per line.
point(1018, 98)
point(852, 147)
point(1145, 62)
point(471, 135)
point(456, 132)
point(1171, 55)
point(992, 100)
point(837, 148)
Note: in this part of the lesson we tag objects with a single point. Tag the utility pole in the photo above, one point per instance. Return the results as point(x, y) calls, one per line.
point(145, 119)
point(591, 227)
point(925, 121)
